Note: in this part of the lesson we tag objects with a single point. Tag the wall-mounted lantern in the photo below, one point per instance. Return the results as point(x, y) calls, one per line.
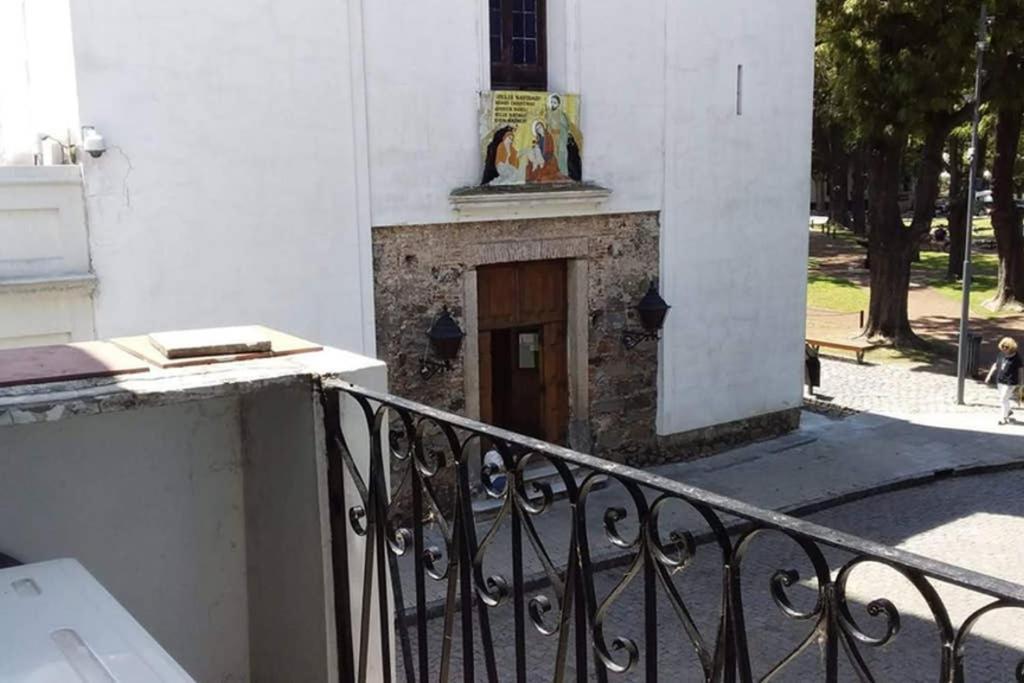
point(444, 339)
point(652, 310)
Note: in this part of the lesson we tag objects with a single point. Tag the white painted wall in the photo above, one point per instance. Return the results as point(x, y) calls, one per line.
point(45, 278)
point(253, 146)
point(37, 77)
point(198, 498)
point(423, 73)
point(42, 222)
point(734, 240)
point(151, 502)
point(659, 85)
point(232, 190)
point(422, 99)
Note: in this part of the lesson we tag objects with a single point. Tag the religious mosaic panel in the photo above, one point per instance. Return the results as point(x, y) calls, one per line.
point(530, 137)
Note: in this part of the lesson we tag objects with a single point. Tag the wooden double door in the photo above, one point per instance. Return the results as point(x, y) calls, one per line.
point(524, 385)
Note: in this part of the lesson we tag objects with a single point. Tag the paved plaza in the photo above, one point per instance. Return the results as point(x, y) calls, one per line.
point(898, 390)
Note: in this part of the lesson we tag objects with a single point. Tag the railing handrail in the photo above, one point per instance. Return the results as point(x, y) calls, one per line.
point(936, 569)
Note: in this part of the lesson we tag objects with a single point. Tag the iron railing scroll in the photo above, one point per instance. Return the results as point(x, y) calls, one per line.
point(429, 569)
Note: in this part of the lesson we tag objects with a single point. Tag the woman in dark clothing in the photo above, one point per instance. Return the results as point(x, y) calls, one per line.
point(1008, 372)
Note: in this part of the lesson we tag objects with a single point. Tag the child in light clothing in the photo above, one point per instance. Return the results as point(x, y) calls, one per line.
point(1008, 372)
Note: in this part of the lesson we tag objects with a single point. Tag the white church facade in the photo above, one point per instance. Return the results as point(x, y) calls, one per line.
point(317, 167)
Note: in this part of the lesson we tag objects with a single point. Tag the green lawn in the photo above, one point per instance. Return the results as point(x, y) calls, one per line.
point(842, 295)
point(983, 288)
point(846, 296)
point(835, 294)
point(983, 283)
point(982, 226)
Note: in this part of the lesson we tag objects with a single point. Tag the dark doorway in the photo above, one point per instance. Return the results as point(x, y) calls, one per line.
point(523, 356)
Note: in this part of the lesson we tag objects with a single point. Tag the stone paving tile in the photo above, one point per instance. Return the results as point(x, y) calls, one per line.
point(898, 390)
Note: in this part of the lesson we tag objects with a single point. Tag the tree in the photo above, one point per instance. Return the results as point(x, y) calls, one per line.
point(959, 140)
point(1006, 217)
point(901, 71)
point(858, 186)
point(959, 172)
point(1007, 69)
point(830, 155)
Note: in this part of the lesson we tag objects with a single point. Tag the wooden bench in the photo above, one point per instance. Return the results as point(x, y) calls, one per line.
point(858, 347)
point(827, 227)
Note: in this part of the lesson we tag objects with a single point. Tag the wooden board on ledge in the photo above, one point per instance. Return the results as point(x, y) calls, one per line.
point(215, 341)
point(281, 344)
point(62, 362)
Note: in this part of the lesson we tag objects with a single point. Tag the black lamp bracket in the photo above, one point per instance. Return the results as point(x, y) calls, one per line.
point(430, 367)
point(633, 338)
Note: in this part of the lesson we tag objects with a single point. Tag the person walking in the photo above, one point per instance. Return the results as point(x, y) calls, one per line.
point(1008, 373)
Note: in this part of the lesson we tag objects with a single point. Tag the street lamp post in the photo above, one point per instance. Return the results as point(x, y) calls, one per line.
point(965, 308)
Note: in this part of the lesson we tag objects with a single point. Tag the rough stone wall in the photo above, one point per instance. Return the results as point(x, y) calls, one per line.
point(415, 273)
point(418, 269)
point(623, 383)
point(700, 443)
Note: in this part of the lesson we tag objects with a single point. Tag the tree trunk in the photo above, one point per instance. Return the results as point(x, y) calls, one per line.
point(982, 161)
point(926, 192)
point(957, 209)
point(926, 189)
point(890, 286)
point(891, 247)
point(1006, 219)
point(838, 178)
point(857, 204)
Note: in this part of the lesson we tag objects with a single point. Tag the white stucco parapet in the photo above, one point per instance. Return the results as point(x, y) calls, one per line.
point(56, 401)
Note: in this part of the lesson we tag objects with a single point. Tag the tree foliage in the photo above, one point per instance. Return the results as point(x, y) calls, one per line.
point(1006, 68)
point(895, 64)
point(899, 73)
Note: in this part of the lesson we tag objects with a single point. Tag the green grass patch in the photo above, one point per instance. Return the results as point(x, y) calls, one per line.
point(841, 235)
point(835, 294)
point(983, 283)
point(937, 262)
point(933, 262)
point(983, 288)
point(982, 226)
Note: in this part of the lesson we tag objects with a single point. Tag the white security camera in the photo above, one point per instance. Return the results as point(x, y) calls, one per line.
point(93, 142)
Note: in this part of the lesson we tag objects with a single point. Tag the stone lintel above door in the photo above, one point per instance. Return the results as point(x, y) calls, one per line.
point(513, 251)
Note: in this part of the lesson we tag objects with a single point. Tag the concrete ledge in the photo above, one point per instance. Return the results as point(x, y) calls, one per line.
point(69, 174)
point(56, 401)
point(528, 201)
point(84, 283)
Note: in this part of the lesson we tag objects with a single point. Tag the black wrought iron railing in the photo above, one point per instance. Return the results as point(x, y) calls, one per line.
point(490, 556)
